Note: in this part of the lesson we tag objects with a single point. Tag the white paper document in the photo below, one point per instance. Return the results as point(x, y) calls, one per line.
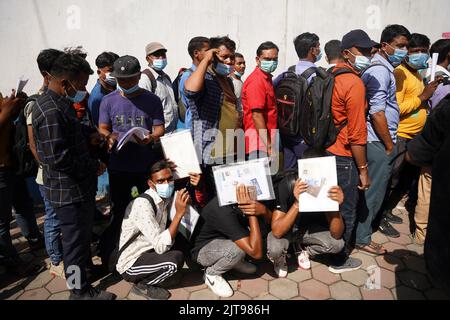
point(189, 220)
point(434, 61)
point(250, 173)
point(21, 83)
point(320, 174)
point(179, 148)
point(141, 133)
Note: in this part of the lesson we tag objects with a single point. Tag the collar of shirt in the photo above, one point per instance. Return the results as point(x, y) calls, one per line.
point(157, 75)
point(57, 97)
point(303, 65)
point(193, 67)
point(261, 73)
point(152, 193)
point(344, 65)
point(378, 58)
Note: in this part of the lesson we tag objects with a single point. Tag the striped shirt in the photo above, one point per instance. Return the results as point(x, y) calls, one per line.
point(69, 171)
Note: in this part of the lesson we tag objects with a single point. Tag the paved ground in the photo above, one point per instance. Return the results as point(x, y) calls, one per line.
point(402, 271)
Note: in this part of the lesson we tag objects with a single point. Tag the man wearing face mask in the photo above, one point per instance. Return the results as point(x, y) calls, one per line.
point(146, 257)
point(69, 171)
point(213, 105)
point(105, 83)
point(382, 125)
point(258, 100)
point(236, 77)
point(307, 46)
point(128, 107)
point(349, 106)
point(155, 80)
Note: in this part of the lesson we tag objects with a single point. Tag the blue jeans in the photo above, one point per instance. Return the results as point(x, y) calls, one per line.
point(52, 231)
point(380, 169)
point(293, 149)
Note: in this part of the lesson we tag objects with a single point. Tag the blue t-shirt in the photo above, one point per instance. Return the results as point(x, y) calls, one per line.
point(188, 116)
point(95, 98)
point(122, 114)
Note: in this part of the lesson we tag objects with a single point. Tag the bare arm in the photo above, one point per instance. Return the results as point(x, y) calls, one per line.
point(196, 80)
point(260, 124)
point(359, 154)
point(252, 245)
point(32, 143)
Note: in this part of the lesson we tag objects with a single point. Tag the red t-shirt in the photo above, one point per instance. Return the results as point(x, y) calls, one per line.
point(258, 93)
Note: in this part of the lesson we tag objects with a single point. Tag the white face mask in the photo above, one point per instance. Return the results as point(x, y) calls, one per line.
point(111, 81)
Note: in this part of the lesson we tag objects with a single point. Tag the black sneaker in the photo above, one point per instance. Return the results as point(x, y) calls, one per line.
point(391, 218)
point(92, 294)
point(387, 229)
point(36, 244)
point(350, 264)
point(150, 292)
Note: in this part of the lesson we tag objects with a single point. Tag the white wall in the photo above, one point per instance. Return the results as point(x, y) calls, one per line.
point(126, 26)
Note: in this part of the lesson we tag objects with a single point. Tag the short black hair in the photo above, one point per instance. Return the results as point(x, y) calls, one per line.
point(78, 51)
point(304, 42)
point(106, 59)
point(393, 31)
point(238, 55)
point(70, 65)
point(418, 41)
point(333, 50)
point(46, 58)
point(442, 47)
point(314, 153)
point(216, 42)
point(158, 166)
point(196, 43)
point(266, 46)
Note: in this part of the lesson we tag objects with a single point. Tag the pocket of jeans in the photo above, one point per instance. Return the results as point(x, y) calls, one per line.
point(343, 174)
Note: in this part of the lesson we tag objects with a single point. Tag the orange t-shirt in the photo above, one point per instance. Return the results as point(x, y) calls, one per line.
point(349, 103)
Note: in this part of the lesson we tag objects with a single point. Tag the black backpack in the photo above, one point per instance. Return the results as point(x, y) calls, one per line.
point(176, 90)
point(305, 109)
point(115, 254)
point(25, 163)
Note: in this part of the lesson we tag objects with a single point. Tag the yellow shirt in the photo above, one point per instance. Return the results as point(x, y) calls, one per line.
point(413, 113)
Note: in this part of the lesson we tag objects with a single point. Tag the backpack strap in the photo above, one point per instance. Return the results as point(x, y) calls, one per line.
point(341, 71)
point(152, 78)
point(134, 237)
point(292, 68)
point(308, 72)
point(374, 64)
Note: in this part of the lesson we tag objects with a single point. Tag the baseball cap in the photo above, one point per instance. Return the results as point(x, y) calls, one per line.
point(153, 47)
point(357, 38)
point(126, 67)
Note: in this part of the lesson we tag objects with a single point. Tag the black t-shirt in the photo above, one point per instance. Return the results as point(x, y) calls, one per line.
point(432, 148)
point(226, 222)
point(285, 199)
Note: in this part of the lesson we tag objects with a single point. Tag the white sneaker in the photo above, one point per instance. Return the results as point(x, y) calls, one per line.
point(219, 286)
point(57, 271)
point(245, 267)
point(280, 267)
point(303, 260)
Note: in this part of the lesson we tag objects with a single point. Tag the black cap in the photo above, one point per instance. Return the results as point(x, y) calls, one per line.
point(357, 38)
point(126, 67)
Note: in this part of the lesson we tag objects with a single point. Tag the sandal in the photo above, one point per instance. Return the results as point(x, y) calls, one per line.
point(372, 248)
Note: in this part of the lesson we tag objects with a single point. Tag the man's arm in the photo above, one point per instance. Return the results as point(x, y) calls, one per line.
point(196, 81)
point(261, 128)
point(252, 245)
point(9, 109)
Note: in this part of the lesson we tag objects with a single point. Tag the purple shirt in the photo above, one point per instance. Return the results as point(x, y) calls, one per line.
point(440, 93)
point(122, 114)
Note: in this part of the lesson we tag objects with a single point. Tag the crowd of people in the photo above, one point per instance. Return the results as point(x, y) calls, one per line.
point(386, 129)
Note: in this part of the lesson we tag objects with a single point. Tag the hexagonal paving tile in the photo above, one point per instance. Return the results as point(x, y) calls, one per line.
point(391, 263)
point(204, 294)
point(36, 294)
point(193, 281)
point(179, 294)
point(357, 277)
point(298, 298)
point(388, 278)
point(405, 293)
point(133, 296)
point(120, 289)
point(254, 287)
point(57, 285)
point(380, 238)
point(415, 263)
point(40, 281)
point(404, 227)
point(60, 296)
point(414, 280)
point(267, 297)
point(237, 296)
point(396, 249)
point(314, 290)
point(300, 275)
point(415, 248)
point(322, 274)
point(377, 294)
point(283, 288)
point(345, 291)
point(403, 239)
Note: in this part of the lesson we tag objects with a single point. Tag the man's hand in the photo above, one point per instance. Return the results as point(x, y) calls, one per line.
point(12, 105)
point(145, 141)
point(242, 194)
point(97, 139)
point(210, 54)
point(299, 188)
point(111, 140)
point(335, 193)
point(101, 169)
point(389, 149)
point(194, 178)
point(429, 90)
point(364, 179)
point(182, 200)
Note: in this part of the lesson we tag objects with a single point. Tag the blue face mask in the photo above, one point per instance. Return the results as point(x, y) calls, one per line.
point(361, 62)
point(165, 190)
point(129, 91)
point(111, 81)
point(319, 56)
point(159, 64)
point(418, 60)
point(398, 56)
point(269, 66)
point(238, 74)
point(78, 97)
point(223, 69)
